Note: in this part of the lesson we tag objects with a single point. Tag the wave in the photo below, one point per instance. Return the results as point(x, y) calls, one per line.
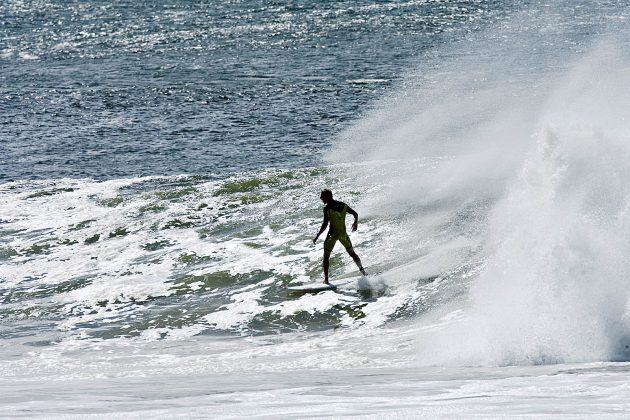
point(173, 257)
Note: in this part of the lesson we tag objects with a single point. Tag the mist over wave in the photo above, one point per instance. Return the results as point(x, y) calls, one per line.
point(509, 153)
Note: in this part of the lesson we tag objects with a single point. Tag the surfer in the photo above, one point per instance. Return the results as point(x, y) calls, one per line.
point(335, 215)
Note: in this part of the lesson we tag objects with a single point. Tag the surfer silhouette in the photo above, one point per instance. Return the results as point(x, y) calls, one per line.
point(335, 216)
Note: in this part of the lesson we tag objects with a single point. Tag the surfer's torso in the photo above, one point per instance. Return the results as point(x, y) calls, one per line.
point(335, 212)
point(335, 216)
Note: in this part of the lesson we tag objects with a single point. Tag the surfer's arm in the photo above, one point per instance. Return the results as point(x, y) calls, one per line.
point(323, 228)
point(356, 217)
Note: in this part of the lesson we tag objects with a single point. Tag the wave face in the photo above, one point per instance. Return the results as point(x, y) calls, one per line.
point(175, 257)
point(511, 150)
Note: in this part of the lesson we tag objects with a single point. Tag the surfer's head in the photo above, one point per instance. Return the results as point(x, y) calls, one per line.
point(326, 196)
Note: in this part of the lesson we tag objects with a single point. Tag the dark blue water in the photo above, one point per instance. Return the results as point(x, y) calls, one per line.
point(118, 89)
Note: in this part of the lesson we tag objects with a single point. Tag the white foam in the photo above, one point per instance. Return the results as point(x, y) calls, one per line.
point(27, 56)
point(7, 53)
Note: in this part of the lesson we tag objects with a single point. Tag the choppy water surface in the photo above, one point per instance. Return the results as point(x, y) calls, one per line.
point(117, 89)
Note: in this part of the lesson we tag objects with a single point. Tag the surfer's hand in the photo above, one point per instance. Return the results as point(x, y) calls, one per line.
point(315, 239)
point(355, 225)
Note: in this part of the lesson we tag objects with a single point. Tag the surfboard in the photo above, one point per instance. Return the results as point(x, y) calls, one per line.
point(311, 287)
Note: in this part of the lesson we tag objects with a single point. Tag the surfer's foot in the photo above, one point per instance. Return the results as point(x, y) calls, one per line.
point(362, 270)
point(326, 282)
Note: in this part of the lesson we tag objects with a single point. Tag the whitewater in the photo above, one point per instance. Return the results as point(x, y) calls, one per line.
point(493, 189)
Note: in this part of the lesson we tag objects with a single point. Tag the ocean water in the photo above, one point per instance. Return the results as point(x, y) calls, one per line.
point(160, 168)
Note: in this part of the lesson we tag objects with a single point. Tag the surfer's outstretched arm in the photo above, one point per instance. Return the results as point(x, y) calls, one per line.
point(356, 218)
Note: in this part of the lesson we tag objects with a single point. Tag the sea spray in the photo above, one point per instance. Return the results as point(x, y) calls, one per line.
point(518, 164)
point(557, 280)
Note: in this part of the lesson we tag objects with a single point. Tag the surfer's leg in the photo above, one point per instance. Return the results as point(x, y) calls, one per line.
point(329, 244)
point(326, 265)
point(357, 260)
point(345, 241)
